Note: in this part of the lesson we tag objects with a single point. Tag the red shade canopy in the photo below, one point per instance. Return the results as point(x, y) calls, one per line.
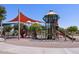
point(23, 18)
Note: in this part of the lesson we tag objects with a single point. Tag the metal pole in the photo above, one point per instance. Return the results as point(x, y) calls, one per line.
point(45, 32)
point(65, 35)
point(18, 24)
point(1, 28)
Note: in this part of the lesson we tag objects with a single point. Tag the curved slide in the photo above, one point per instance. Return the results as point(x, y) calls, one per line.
point(66, 35)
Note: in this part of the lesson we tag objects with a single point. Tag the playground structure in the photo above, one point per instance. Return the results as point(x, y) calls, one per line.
point(51, 24)
point(51, 31)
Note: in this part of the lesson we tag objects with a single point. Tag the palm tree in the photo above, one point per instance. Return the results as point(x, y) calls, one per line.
point(2, 15)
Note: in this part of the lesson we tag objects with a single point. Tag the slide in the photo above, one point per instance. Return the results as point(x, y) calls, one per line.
point(66, 35)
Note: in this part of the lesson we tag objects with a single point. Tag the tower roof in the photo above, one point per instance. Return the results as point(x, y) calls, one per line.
point(51, 12)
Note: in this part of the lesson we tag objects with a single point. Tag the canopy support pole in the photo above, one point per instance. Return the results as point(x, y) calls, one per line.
point(18, 25)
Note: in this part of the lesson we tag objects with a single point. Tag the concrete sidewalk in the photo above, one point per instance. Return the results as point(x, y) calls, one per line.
point(9, 48)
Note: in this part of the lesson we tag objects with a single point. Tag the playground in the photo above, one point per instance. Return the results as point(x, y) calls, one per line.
point(32, 29)
point(29, 34)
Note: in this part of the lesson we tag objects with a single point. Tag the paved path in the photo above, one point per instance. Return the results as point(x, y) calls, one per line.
point(44, 43)
point(9, 48)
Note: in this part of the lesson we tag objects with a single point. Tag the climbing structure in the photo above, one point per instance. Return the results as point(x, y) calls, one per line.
point(51, 21)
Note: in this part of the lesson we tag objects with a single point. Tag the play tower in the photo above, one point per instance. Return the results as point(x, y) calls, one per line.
point(51, 24)
point(52, 28)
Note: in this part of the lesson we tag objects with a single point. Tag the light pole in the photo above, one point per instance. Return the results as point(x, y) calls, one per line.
point(51, 20)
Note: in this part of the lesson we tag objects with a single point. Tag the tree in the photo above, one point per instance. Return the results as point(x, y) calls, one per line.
point(23, 29)
point(2, 15)
point(36, 27)
point(22, 26)
point(43, 27)
point(6, 30)
point(77, 32)
point(72, 30)
point(61, 29)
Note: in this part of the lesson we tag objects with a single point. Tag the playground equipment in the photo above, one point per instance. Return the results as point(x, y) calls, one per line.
point(51, 27)
point(51, 24)
point(63, 34)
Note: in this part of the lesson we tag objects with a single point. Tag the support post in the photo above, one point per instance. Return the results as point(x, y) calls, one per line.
point(18, 24)
point(1, 29)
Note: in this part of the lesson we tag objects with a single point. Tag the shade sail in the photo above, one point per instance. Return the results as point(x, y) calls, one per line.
point(23, 19)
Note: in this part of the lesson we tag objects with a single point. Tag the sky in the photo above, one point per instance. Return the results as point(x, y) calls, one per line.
point(69, 13)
